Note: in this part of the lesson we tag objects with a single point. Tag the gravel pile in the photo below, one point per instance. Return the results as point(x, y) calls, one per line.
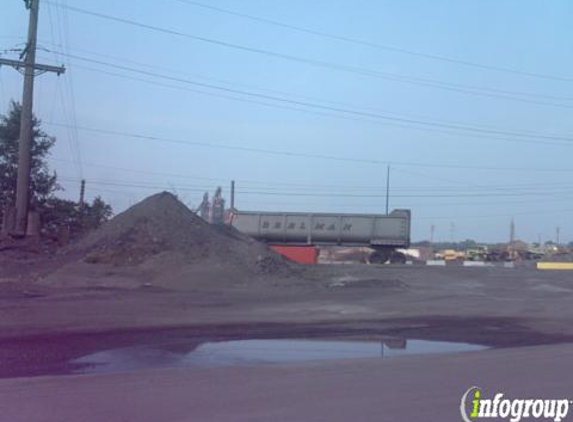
point(161, 226)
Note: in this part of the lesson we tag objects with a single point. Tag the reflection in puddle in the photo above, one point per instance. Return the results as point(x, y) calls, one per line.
point(239, 352)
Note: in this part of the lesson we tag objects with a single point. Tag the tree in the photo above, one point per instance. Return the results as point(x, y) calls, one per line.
point(55, 212)
point(96, 214)
point(58, 212)
point(42, 183)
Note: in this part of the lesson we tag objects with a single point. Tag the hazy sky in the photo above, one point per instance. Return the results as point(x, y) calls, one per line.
point(470, 145)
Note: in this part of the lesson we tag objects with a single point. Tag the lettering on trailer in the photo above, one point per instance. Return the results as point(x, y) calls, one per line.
point(319, 226)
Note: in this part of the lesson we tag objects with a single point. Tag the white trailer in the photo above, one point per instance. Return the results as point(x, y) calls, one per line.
point(383, 232)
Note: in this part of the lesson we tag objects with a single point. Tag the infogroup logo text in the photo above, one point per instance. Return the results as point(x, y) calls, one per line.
point(474, 407)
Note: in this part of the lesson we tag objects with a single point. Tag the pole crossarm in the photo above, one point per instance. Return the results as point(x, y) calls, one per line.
point(18, 64)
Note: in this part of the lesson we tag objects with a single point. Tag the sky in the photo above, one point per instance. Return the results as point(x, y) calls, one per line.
point(305, 105)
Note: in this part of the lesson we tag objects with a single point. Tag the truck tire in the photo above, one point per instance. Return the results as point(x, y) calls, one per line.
point(380, 256)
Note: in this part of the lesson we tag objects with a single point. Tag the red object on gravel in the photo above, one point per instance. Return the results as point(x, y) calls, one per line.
point(301, 254)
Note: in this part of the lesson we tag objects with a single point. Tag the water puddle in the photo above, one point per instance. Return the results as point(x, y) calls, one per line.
point(249, 352)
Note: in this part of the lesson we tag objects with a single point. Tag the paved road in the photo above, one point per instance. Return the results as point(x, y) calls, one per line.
point(421, 388)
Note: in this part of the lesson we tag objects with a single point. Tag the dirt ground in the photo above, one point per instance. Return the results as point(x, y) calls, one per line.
point(498, 307)
point(133, 284)
point(43, 327)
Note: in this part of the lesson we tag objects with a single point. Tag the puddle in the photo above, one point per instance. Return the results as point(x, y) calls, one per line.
point(249, 352)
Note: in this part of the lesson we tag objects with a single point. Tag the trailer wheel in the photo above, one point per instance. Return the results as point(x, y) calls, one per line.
point(397, 258)
point(380, 256)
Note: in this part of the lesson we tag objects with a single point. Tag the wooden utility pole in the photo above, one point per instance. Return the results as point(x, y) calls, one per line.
point(232, 195)
point(28, 67)
point(388, 189)
point(82, 193)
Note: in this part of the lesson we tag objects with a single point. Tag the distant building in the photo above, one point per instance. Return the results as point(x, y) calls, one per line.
point(205, 207)
point(218, 208)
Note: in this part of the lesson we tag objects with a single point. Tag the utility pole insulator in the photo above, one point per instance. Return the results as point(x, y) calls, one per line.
point(18, 65)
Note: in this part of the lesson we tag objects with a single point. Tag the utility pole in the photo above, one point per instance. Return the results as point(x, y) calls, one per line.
point(557, 234)
point(232, 195)
point(81, 207)
point(388, 189)
point(28, 67)
point(432, 230)
point(82, 193)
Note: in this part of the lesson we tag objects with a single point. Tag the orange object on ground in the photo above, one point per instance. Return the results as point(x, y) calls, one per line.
point(302, 254)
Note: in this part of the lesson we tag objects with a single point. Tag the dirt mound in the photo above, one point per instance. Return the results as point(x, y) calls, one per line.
point(162, 228)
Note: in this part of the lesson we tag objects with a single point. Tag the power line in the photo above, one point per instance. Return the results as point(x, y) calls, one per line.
point(480, 216)
point(133, 184)
point(532, 189)
point(53, 40)
point(251, 101)
point(465, 216)
point(430, 195)
point(258, 88)
point(377, 45)
point(261, 89)
point(65, 93)
point(401, 163)
point(471, 90)
point(316, 156)
point(70, 90)
point(201, 188)
point(95, 186)
point(69, 130)
point(400, 204)
point(277, 185)
point(306, 111)
point(219, 146)
point(465, 183)
point(89, 164)
point(348, 111)
point(256, 150)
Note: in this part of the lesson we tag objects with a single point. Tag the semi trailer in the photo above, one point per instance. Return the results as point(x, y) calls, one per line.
point(384, 233)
